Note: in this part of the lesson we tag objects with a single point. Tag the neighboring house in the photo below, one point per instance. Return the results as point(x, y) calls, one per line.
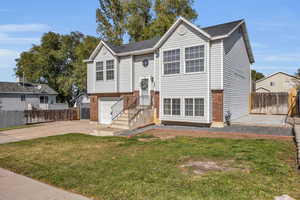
point(277, 82)
point(191, 74)
point(20, 96)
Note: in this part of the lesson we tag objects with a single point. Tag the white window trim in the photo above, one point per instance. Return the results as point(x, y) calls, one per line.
point(95, 66)
point(205, 60)
point(171, 115)
point(104, 70)
point(163, 63)
point(105, 67)
point(195, 97)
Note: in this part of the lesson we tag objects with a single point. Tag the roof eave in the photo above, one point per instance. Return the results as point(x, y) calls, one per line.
point(246, 37)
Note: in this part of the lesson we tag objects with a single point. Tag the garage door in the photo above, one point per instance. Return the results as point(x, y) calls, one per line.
point(105, 105)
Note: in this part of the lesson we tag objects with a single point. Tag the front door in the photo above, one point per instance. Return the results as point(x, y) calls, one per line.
point(145, 98)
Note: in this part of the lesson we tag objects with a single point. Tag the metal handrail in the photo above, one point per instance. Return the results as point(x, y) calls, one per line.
point(119, 110)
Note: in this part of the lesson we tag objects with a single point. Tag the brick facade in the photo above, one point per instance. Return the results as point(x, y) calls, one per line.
point(155, 101)
point(128, 100)
point(217, 106)
point(94, 108)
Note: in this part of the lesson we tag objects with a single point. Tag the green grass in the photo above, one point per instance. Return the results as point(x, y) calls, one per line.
point(18, 127)
point(120, 168)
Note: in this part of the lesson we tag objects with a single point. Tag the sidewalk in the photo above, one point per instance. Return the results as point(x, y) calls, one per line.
point(18, 187)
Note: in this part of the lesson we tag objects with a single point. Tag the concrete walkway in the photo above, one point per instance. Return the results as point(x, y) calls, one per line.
point(18, 187)
point(47, 129)
point(261, 120)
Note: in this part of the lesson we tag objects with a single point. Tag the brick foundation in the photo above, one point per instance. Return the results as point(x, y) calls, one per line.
point(217, 106)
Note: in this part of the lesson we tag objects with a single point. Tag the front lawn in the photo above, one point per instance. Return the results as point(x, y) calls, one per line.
point(120, 168)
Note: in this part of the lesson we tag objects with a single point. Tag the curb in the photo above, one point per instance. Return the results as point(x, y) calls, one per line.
point(297, 140)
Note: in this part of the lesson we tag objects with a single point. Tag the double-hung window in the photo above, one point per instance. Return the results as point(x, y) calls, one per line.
point(110, 70)
point(194, 59)
point(171, 106)
point(99, 71)
point(194, 107)
point(171, 61)
point(44, 99)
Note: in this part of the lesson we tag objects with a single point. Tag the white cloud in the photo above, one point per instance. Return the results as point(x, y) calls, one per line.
point(14, 28)
point(7, 58)
point(11, 40)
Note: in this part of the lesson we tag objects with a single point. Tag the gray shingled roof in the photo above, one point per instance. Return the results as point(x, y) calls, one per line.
point(28, 88)
point(214, 31)
point(221, 29)
point(136, 46)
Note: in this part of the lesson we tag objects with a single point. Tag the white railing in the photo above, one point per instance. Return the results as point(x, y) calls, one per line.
point(117, 109)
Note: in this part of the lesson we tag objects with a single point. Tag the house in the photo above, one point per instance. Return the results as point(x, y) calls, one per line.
point(189, 75)
point(19, 96)
point(277, 82)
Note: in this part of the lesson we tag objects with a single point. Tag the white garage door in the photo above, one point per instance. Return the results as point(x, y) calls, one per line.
point(105, 105)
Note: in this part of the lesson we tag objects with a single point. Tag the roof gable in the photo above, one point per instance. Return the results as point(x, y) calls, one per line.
point(215, 32)
point(277, 73)
point(175, 26)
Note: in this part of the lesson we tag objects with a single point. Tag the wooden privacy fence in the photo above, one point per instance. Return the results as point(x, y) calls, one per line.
point(37, 116)
point(270, 103)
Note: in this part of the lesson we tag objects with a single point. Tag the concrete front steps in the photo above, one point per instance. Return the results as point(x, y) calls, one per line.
point(122, 122)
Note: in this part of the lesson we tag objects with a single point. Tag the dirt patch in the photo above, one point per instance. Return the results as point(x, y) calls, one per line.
point(204, 167)
point(168, 134)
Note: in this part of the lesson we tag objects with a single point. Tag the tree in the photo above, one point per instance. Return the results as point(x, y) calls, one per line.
point(166, 13)
point(256, 75)
point(58, 62)
point(140, 19)
point(110, 17)
point(138, 15)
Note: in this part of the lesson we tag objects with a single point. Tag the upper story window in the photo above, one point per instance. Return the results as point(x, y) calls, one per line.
point(99, 71)
point(23, 97)
point(171, 61)
point(44, 99)
point(194, 59)
point(110, 70)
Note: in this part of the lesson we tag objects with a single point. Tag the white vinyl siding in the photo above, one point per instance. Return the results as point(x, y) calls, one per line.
point(171, 61)
point(125, 74)
point(185, 85)
point(194, 59)
point(141, 71)
point(105, 86)
point(216, 64)
point(236, 76)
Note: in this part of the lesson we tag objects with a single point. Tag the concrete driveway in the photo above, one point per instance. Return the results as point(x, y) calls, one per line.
point(261, 120)
point(47, 129)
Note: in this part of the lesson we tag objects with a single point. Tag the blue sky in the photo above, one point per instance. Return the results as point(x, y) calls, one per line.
point(273, 27)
